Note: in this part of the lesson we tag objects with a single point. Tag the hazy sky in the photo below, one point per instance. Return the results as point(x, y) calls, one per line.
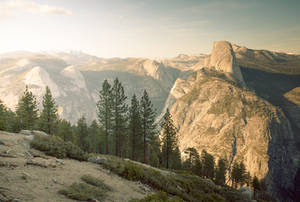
point(148, 28)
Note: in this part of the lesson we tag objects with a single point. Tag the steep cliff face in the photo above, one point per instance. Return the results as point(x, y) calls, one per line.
point(233, 123)
point(243, 105)
point(223, 59)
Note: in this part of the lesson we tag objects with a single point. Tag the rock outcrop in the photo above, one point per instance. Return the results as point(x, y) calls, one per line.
point(223, 59)
point(233, 123)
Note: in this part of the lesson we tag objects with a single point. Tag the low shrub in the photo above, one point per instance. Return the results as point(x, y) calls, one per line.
point(55, 146)
point(51, 145)
point(158, 197)
point(82, 192)
point(187, 186)
point(74, 152)
point(95, 182)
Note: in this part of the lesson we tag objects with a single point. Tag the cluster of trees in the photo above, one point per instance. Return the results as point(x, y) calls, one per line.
point(204, 166)
point(27, 116)
point(121, 130)
point(124, 131)
point(130, 131)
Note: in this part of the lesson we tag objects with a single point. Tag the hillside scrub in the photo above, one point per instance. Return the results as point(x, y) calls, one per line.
point(95, 182)
point(55, 146)
point(158, 197)
point(188, 187)
point(82, 192)
point(92, 188)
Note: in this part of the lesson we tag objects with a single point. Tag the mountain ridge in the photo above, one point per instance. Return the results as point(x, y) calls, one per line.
point(213, 102)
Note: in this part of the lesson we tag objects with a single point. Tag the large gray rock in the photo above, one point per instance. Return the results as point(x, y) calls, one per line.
point(33, 132)
point(26, 132)
point(97, 159)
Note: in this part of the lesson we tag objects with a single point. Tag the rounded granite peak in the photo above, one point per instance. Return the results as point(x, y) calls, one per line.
point(223, 59)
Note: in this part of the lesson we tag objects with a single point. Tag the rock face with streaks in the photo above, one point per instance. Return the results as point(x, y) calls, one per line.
point(213, 113)
point(223, 59)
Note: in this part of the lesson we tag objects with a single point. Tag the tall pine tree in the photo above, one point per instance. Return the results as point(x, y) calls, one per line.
point(48, 117)
point(235, 173)
point(64, 130)
point(208, 162)
point(221, 172)
point(135, 127)
point(27, 111)
point(169, 138)
point(104, 107)
point(3, 116)
point(119, 118)
point(148, 125)
point(192, 158)
point(94, 138)
point(82, 134)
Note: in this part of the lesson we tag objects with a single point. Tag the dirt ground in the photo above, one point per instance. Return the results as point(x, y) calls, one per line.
point(40, 184)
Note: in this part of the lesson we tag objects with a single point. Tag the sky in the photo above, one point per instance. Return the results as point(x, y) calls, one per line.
point(148, 28)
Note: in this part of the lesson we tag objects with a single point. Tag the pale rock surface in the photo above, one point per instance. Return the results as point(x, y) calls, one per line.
point(75, 76)
point(39, 78)
point(233, 123)
point(223, 59)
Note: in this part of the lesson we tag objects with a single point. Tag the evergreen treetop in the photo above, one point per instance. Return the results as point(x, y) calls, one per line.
point(27, 110)
point(48, 116)
point(147, 122)
point(169, 137)
point(104, 109)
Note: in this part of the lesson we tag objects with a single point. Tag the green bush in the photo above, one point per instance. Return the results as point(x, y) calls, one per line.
point(132, 171)
point(158, 197)
point(186, 186)
point(74, 152)
point(95, 182)
point(82, 192)
point(51, 145)
point(54, 146)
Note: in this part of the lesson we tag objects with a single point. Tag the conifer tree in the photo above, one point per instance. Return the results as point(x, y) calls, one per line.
point(48, 117)
point(256, 185)
point(238, 174)
point(175, 160)
point(64, 130)
point(119, 118)
point(235, 172)
point(242, 175)
point(248, 178)
point(148, 125)
point(27, 111)
point(135, 127)
point(208, 162)
point(94, 138)
point(82, 133)
point(155, 153)
point(221, 172)
point(3, 116)
point(12, 122)
point(192, 158)
point(169, 137)
point(104, 108)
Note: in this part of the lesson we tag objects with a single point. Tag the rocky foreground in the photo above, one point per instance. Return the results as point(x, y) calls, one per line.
point(30, 175)
point(27, 174)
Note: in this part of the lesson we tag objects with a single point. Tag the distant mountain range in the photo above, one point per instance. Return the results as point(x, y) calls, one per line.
point(237, 103)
